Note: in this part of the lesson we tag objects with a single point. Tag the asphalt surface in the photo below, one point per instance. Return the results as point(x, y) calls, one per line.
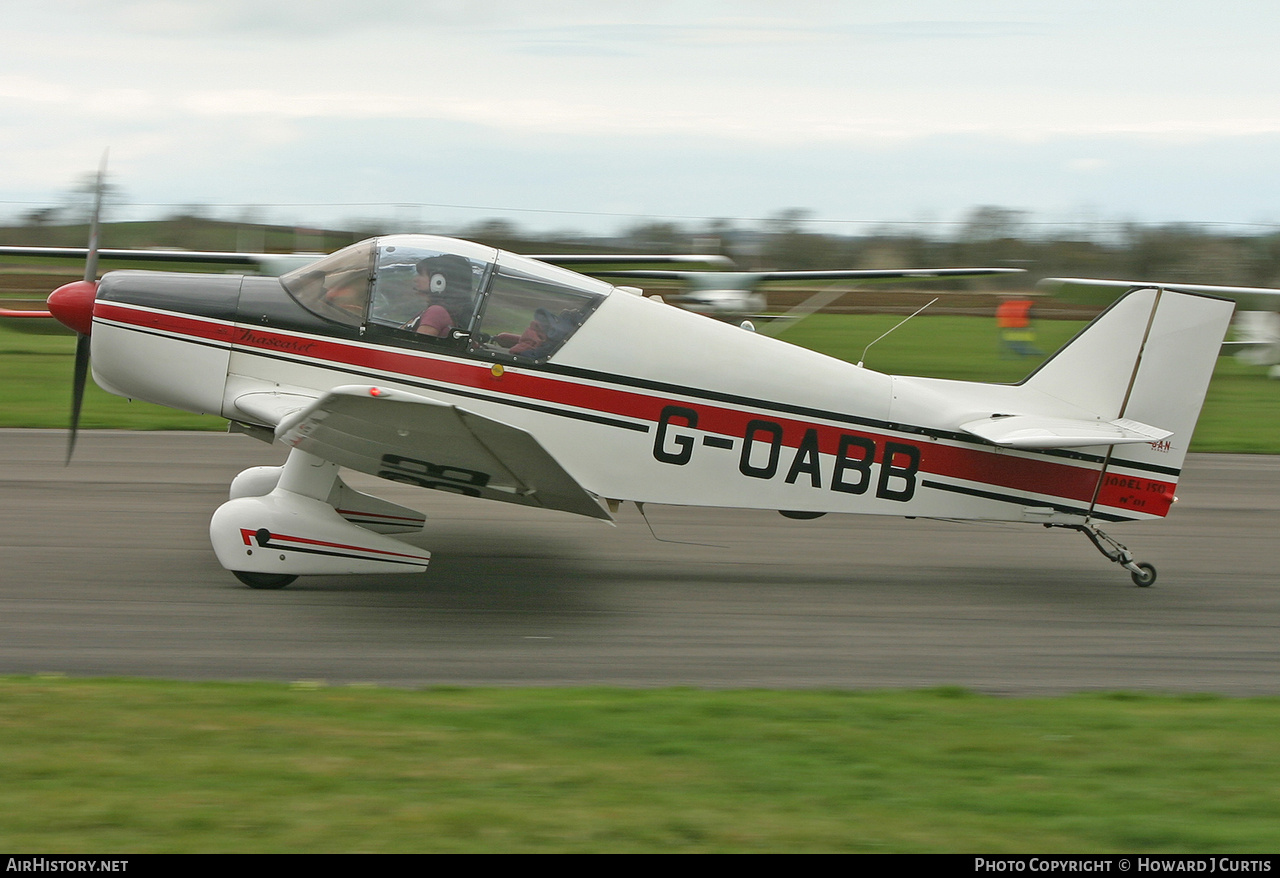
point(106, 569)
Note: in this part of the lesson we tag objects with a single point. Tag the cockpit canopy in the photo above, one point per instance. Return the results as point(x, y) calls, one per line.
point(424, 290)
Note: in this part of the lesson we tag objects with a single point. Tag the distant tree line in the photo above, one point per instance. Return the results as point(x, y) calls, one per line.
point(989, 236)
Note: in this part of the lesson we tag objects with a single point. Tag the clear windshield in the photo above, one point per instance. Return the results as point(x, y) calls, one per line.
point(422, 289)
point(337, 286)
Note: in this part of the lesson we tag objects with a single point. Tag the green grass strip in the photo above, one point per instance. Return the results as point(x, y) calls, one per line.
point(110, 766)
point(1241, 414)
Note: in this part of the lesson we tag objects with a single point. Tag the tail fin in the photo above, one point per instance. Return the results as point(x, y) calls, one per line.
point(1146, 359)
point(1114, 408)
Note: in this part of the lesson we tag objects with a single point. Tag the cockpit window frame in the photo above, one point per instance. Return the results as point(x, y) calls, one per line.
point(522, 310)
point(556, 303)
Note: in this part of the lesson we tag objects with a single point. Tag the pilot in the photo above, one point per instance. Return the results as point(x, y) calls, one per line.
point(446, 282)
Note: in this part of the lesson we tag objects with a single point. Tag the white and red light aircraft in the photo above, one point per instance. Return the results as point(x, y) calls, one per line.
point(557, 390)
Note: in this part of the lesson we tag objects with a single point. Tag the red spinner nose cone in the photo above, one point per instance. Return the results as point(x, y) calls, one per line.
point(72, 304)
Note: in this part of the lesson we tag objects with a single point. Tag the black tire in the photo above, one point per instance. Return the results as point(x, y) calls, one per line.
point(264, 580)
point(1146, 577)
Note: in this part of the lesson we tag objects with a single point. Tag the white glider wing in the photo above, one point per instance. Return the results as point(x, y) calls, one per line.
point(265, 263)
point(409, 438)
point(1103, 292)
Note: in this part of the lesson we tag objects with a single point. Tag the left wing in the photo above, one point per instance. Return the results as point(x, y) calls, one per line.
point(753, 278)
point(735, 293)
point(633, 259)
point(265, 263)
point(42, 321)
point(279, 263)
point(409, 438)
point(36, 321)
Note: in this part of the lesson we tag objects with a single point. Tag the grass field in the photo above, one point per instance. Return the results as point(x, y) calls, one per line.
point(110, 766)
point(1241, 414)
point(35, 391)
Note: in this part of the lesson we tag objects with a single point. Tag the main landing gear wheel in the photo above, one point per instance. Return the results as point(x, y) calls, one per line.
point(1144, 575)
point(269, 580)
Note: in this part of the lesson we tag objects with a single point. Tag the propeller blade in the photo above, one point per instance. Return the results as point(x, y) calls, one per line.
point(91, 261)
point(80, 375)
point(79, 380)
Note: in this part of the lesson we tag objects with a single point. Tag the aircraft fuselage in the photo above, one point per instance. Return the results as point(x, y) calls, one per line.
point(642, 402)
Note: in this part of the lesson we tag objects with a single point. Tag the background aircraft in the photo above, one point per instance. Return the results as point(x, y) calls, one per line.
point(276, 264)
point(1257, 321)
point(737, 295)
point(711, 285)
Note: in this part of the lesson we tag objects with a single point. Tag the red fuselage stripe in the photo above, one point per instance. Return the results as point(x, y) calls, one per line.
point(249, 537)
point(1075, 482)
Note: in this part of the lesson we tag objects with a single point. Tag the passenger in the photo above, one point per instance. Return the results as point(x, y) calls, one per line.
point(445, 281)
point(347, 294)
point(544, 333)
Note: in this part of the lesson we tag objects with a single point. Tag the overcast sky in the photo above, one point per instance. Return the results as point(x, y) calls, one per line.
point(595, 115)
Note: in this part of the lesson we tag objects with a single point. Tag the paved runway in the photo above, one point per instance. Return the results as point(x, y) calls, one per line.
point(106, 569)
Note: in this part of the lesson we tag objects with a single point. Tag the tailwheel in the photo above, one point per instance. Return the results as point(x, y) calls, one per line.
point(265, 580)
point(1144, 575)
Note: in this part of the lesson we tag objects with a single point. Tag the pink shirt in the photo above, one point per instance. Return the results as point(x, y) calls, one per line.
point(436, 321)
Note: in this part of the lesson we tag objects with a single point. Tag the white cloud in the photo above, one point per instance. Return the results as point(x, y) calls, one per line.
point(324, 91)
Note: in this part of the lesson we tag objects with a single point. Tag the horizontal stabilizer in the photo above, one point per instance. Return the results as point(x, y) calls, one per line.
point(1030, 431)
